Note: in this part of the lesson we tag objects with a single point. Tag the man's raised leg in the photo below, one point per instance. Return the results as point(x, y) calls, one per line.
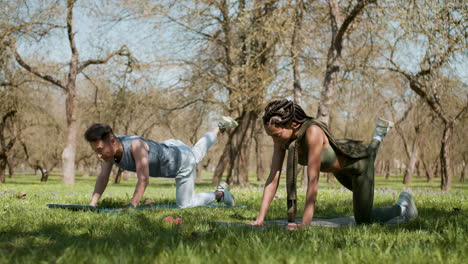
point(206, 141)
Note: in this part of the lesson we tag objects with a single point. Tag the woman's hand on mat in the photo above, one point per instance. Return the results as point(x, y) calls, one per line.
point(294, 226)
point(257, 223)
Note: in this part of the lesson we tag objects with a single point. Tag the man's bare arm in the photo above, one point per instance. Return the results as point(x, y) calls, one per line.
point(101, 182)
point(140, 154)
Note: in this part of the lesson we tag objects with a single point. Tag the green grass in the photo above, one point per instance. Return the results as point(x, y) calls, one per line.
point(32, 233)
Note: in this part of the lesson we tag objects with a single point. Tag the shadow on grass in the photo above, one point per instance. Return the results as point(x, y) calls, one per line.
point(149, 237)
point(145, 237)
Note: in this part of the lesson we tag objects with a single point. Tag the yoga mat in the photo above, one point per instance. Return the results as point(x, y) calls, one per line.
point(85, 207)
point(318, 222)
point(73, 207)
point(339, 222)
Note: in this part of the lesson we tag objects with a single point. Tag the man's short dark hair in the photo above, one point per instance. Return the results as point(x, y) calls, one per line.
point(98, 131)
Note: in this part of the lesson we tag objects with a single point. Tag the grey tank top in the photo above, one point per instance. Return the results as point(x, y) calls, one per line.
point(164, 159)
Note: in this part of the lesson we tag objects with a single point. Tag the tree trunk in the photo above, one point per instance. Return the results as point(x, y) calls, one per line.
point(68, 155)
point(408, 177)
point(238, 165)
point(86, 171)
point(259, 155)
point(387, 169)
point(446, 177)
point(428, 168)
point(436, 169)
point(302, 171)
point(44, 174)
point(222, 163)
point(333, 64)
point(379, 167)
point(118, 176)
point(330, 177)
point(11, 169)
point(297, 85)
point(296, 50)
point(463, 172)
point(242, 168)
point(199, 172)
point(418, 169)
point(4, 146)
point(3, 164)
point(201, 168)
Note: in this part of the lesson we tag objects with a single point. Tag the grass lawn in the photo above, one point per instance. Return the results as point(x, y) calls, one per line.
point(32, 233)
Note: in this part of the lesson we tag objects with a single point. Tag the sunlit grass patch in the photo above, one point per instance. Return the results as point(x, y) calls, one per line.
point(31, 233)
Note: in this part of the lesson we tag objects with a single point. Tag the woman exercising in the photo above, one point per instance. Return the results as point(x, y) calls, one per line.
point(350, 161)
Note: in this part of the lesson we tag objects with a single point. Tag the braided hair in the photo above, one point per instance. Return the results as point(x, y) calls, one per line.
point(282, 112)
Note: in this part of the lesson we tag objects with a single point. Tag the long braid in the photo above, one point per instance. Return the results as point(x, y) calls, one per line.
point(282, 112)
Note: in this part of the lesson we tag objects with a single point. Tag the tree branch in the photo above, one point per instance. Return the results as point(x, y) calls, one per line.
point(348, 21)
point(189, 28)
point(13, 84)
point(71, 35)
point(123, 51)
point(461, 114)
point(33, 70)
point(183, 105)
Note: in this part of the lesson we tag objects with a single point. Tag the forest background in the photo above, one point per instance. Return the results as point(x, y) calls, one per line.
point(168, 69)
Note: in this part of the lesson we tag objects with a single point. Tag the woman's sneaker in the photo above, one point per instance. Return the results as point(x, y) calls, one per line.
point(227, 122)
point(228, 198)
point(410, 212)
point(382, 127)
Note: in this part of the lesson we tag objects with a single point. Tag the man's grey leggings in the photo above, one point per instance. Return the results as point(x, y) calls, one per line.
point(185, 179)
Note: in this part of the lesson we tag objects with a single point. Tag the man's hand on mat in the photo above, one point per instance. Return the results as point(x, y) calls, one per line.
point(257, 223)
point(295, 226)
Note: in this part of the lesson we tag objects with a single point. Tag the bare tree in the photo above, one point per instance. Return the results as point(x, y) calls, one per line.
point(341, 26)
point(410, 128)
point(443, 40)
point(39, 138)
point(236, 59)
point(68, 86)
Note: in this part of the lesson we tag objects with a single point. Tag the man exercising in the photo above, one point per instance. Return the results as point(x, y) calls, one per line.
point(166, 159)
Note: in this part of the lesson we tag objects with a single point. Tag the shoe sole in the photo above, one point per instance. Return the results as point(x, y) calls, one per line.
point(225, 189)
point(230, 121)
point(384, 123)
point(411, 210)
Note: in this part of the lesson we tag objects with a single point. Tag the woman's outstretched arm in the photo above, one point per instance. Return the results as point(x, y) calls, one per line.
point(271, 184)
point(314, 142)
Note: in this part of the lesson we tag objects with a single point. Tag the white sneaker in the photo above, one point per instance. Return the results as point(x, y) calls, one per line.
point(227, 122)
point(228, 198)
point(410, 212)
point(382, 127)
